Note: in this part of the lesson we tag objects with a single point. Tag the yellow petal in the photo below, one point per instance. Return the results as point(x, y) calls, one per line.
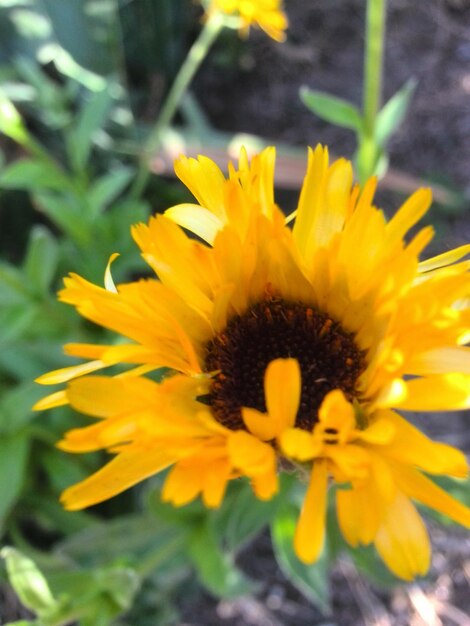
point(362, 508)
point(360, 513)
point(419, 487)
point(337, 413)
point(411, 446)
point(67, 373)
point(265, 486)
point(205, 181)
point(408, 214)
point(437, 393)
point(182, 485)
point(216, 477)
point(249, 455)
point(51, 401)
point(104, 434)
point(282, 387)
point(379, 433)
point(105, 397)
point(124, 471)
point(444, 259)
point(310, 531)
point(299, 444)
point(402, 541)
point(108, 277)
point(197, 219)
point(441, 361)
point(261, 425)
point(353, 461)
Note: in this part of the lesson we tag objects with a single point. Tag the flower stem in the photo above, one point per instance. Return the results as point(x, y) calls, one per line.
point(372, 94)
point(191, 64)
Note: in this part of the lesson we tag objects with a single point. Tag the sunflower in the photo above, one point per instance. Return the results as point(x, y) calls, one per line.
point(266, 14)
point(282, 347)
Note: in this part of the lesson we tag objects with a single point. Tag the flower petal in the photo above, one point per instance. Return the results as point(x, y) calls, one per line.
point(412, 447)
point(282, 391)
point(437, 393)
point(420, 488)
point(310, 531)
point(299, 444)
point(197, 219)
point(402, 540)
point(124, 471)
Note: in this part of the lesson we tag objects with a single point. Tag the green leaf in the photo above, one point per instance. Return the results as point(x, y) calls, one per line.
point(121, 583)
point(28, 581)
point(61, 210)
point(33, 174)
point(310, 580)
point(137, 536)
point(368, 563)
point(41, 260)
point(108, 188)
point(242, 515)
point(13, 459)
point(12, 287)
point(394, 112)
point(16, 321)
point(91, 118)
point(15, 406)
point(215, 568)
point(332, 109)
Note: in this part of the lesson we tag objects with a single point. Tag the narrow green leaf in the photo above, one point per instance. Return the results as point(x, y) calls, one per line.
point(90, 119)
point(394, 112)
point(107, 188)
point(332, 109)
point(41, 260)
point(215, 568)
point(13, 459)
point(28, 581)
point(33, 174)
point(310, 580)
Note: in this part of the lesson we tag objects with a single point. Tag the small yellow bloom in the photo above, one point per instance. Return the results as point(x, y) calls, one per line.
point(280, 342)
point(267, 14)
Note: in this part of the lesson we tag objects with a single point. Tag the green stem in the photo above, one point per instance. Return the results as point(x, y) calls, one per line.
point(196, 55)
point(372, 94)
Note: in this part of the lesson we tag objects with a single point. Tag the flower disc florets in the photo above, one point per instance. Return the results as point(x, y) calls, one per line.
point(274, 328)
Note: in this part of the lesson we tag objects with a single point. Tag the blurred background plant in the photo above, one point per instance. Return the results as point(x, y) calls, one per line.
point(89, 92)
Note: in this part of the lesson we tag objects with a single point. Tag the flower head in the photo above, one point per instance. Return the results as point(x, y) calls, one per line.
point(281, 344)
point(267, 14)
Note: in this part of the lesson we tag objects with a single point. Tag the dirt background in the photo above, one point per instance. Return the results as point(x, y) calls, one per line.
point(430, 41)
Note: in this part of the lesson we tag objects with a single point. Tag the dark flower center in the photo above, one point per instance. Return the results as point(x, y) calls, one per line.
point(274, 328)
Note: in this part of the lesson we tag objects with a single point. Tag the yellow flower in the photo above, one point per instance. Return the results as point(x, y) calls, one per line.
point(280, 343)
point(377, 469)
point(267, 14)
